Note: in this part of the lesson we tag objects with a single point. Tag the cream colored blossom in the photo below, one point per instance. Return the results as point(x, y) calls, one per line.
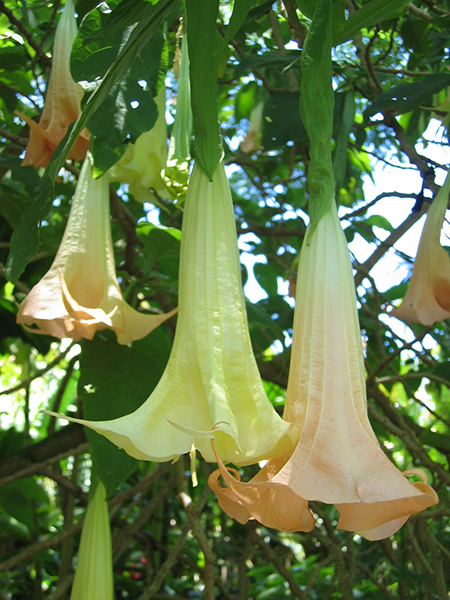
point(428, 297)
point(142, 162)
point(94, 571)
point(62, 101)
point(80, 293)
point(211, 387)
point(337, 459)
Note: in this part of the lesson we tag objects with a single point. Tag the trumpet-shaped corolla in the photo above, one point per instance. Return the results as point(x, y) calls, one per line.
point(80, 293)
point(62, 101)
point(211, 386)
point(428, 297)
point(337, 459)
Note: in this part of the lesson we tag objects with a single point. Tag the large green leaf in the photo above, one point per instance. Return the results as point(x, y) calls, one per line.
point(114, 381)
point(129, 109)
point(161, 248)
point(240, 11)
point(345, 109)
point(282, 122)
point(21, 499)
point(407, 96)
point(371, 13)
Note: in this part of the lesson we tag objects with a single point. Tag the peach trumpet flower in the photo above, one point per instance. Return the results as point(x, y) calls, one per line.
point(62, 101)
point(80, 293)
point(337, 459)
point(211, 386)
point(428, 297)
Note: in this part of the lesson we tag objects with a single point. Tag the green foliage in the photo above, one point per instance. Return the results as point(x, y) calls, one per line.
point(128, 110)
point(114, 381)
point(386, 78)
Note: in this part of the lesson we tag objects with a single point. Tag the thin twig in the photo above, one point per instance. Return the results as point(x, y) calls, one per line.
point(25, 33)
point(39, 373)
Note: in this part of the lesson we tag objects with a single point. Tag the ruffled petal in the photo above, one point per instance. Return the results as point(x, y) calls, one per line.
point(273, 505)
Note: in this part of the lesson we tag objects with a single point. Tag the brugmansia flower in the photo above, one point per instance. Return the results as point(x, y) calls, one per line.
point(428, 297)
point(337, 459)
point(142, 162)
point(62, 101)
point(252, 141)
point(211, 386)
point(94, 572)
point(80, 293)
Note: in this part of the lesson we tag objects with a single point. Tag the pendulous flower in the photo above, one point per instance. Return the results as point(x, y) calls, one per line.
point(80, 293)
point(211, 386)
point(62, 101)
point(428, 297)
point(337, 459)
point(142, 162)
point(94, 573)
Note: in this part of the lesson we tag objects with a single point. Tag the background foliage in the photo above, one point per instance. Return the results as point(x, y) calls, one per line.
point(390, 66)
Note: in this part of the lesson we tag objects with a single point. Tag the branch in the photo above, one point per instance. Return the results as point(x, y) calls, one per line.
point(365, 267)
point(272, 557)
point(26, 34)
point(62, 444)
point(53, 363)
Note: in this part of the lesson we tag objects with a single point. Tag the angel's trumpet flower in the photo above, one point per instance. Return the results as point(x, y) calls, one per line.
point(428, 297)
point(62, 101)
point(94, 572)
point(211, 386)
point(142, 162)
point(337, 459)
point(80, 293)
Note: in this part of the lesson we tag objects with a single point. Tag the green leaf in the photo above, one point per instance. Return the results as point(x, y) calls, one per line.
point(437, 440)
point(282, 122)
point(407, 96)
point(240, 11)
point(25, 239)
point(114, 381)
point(129, 109)
point(345, 123)
point(161, 248)
point(415, 34)
point(404, 574)
point(306, 7)
point(369, 14)
point(204, 67)
point(17, 500)
point(379, 221)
